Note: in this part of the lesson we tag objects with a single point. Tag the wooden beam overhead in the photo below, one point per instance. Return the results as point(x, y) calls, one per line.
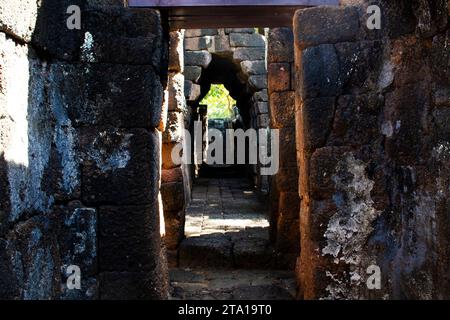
point(197, 14)
point(225, 3)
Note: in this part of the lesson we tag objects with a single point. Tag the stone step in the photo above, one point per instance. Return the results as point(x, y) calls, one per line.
point(217, 284)
point(228, 250)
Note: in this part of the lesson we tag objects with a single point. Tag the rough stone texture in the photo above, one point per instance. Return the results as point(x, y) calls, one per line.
point(176, 51)
point(282, 109)
point(258, 82)
point(232, 285)
point(241, 54)
point(284, 200)
point(197, 58)
point(326, 25)
point(280, 45)
point(373, 150)
point(176, 178)
point(200, 32)
point(78, 118)
point(191, 90)
point(235, 58)
point(192, 73)
point(176, 88)
point(253, 67)
point(279, 75)
point(246, 40)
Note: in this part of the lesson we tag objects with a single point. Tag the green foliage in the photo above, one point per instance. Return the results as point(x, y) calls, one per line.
point(220, 103)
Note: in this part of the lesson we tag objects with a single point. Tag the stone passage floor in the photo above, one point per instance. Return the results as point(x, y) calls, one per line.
point(226, 253)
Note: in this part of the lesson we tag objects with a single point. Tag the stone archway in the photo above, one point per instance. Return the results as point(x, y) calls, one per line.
point(82, 119)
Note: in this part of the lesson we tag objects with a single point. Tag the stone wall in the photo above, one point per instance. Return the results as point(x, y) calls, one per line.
point(176, 178)
point(284, 198)
point(235, 57)
point(80, 150)
point(372, 116)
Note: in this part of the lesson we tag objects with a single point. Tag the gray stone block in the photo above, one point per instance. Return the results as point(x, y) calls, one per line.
point(246, 40)
point(241, 54)
point(131, 96)
point(191, 91)
point(239, 30)
point(197, 58)
point(199, 43)
point(19, 18)
point(320, 72)
point(261, 96)
point(200, 32)
point(326, 25)
point(253, 67)
point(262, 107)
point(176, 52)
point(119, 166)
point(174, 128)
point(177, 101)
point(192, 73)
point(258, 82)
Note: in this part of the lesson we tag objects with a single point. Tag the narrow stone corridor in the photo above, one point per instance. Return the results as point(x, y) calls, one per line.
point(227, 253)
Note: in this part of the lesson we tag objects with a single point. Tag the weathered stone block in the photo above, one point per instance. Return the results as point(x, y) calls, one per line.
point(262, 107)
point(77, 237)
point(117, 35)
point(197, 58)
point(322, 168)
point(279, 75)
point(199, 43)
point(356, 120)
point(252, 253)
point(192, 73)
point(32, 249)
point(282, 109)
point(128, 238)
point(173, 196)
point(318, 118)
point(131, 96)
point(174, 221)
point(191, 33)
point(288, 238)
point(176, 51)
point(323, 211)
point(253, 67)
point(356, 76)
point(109, 34)
point(239, 30)
point(207, 251)
point(172, 175)
point(89, 290)
point(261, 96)
point(258, 82)
point(319, 73)
point(221, 44)
point(191, 90)
point(325, 25)
point(246, 40)
point(174, 128)
point(287, 147)
point(280, 45)
point(167, 162)
point(405, 111)
point(132, 286)
point(263, 121)
point(241, 54)
point(19, 18)
point(287, 179)
point(177, 100)
point(119, 166)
